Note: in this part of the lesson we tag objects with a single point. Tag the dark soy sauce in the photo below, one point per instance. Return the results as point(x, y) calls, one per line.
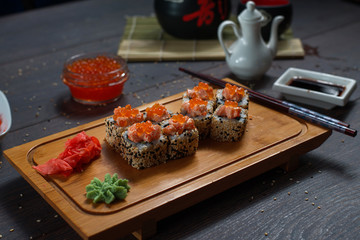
point(316, 85)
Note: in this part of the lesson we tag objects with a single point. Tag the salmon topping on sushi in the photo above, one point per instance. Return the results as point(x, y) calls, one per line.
point(178, 124)
point(195, 107)
point(233, 93)
point(157, 113)
point(203, 91)
point(125, 116)
point(230, 110)
point(145, 131)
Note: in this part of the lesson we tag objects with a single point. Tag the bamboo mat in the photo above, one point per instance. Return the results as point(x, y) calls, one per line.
point(144, 40)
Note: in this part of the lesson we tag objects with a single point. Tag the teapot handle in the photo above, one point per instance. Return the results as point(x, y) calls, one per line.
point(236, 30)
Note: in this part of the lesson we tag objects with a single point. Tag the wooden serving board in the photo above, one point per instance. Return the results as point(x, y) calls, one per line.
point(271, 139)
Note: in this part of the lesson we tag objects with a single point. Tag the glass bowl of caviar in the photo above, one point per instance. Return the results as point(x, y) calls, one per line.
point(95, 78)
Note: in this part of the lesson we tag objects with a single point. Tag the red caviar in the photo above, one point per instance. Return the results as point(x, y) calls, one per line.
point(203, 91)
point(143, 128)
point(98, 65)
point(195, 102)
point(194, 107)
point(178, 123)
point(231, 103)
point(232, 92)
point(95, 79)
point(157, 113)
point(125, 116)
point(179, 118)
point(144, 131)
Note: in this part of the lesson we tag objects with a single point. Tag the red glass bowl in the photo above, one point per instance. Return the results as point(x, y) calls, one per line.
point(95, 78)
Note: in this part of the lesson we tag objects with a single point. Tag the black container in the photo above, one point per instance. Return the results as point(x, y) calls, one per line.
point(270, 9)
point(191, 19)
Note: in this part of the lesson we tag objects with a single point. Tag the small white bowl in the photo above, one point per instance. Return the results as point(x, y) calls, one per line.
point(312, 97)
point(5, 115)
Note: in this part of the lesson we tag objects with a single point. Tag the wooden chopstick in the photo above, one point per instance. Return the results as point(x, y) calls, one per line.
point(283, 106)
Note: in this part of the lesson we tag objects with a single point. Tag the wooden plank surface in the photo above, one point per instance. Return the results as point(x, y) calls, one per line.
point(34, 46)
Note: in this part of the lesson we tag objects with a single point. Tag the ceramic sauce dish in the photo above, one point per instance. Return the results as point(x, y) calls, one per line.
point(315, 88)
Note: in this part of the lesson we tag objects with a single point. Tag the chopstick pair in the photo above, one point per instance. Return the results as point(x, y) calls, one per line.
point(283, 106)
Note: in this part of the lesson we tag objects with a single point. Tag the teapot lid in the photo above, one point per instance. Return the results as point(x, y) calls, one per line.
point(250, 13)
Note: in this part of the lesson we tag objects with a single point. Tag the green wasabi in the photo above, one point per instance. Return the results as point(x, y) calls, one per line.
point(112, 188)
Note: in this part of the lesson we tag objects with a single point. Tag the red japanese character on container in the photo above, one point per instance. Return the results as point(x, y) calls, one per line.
point(192, 19)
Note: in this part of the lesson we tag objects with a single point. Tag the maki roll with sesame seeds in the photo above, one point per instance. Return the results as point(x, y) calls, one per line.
point(183, 136)
point(233, 93)
point(157, 113)
point(123, 117)
point(228, 122)
point(201, 111)
point(144, 145)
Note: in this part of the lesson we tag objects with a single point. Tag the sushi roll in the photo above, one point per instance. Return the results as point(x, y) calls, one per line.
point(233, 93)
point(201, 111)
point(202, 91)
point(183, 136)
point(157, 113)
point(228, 122)
point(144, 145)
point(123, 117)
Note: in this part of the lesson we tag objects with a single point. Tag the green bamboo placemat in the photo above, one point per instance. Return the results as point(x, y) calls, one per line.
point(144, 40)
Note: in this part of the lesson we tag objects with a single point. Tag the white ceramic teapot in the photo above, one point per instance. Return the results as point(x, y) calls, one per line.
point(249, 57)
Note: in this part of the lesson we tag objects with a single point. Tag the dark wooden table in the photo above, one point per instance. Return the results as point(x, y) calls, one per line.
point(318, 200)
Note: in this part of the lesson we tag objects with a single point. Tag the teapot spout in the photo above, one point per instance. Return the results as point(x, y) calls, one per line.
point(272, 44)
